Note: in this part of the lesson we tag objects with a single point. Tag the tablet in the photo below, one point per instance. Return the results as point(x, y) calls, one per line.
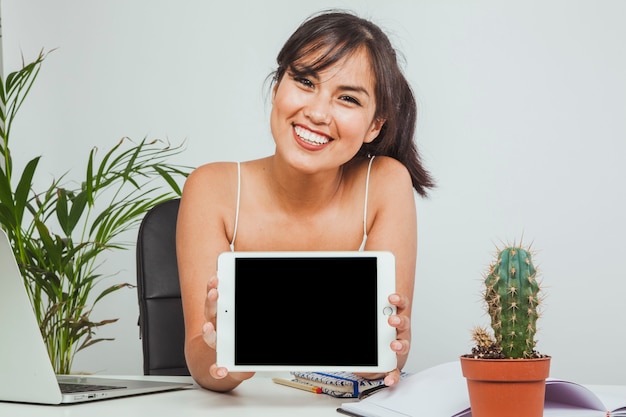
point(305, 311)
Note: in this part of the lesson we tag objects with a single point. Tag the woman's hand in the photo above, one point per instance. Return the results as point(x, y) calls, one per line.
point(209, 334)
point(402, 344)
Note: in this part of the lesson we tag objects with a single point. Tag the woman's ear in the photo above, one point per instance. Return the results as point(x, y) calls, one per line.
point(374, 131)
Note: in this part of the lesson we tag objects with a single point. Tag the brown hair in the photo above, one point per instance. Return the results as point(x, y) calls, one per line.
point(333, 35)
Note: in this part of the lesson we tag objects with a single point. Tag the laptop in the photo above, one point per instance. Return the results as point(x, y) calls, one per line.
point(26, 374)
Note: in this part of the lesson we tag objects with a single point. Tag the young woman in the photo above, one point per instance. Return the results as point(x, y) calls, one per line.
point(342, 177)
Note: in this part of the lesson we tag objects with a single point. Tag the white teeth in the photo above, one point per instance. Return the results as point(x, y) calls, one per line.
point(311, 137)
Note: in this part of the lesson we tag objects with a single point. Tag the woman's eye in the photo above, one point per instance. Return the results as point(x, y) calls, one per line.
point(304, 81)
point(350, 99)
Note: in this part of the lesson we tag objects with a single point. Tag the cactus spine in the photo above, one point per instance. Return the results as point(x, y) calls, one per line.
point(512, 297)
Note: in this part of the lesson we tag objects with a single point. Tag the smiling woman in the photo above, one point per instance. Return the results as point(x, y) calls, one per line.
point(342, 177)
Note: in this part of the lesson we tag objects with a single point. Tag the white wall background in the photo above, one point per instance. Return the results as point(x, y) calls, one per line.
point(522, 121)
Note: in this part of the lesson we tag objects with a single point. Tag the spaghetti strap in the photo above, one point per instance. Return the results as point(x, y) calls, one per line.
point(232, 243)
point(367, 187)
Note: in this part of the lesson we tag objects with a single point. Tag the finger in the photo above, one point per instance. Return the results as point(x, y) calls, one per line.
point(400, 346)
point(212, 283)
point(218, 372)
point(209, 335)
point(210, 304)
point(400, 322)
point(399, 300)
point(392, 377)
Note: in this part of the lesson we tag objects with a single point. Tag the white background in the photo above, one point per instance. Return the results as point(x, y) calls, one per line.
point(522, 121)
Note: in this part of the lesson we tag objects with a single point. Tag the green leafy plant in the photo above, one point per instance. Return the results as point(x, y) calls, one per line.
point(513, 300)
point(58, 234)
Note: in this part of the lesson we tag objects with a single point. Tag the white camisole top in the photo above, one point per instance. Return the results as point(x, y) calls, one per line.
point(367, 184)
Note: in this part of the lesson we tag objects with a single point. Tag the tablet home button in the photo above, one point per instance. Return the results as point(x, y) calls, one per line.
point(387, 311)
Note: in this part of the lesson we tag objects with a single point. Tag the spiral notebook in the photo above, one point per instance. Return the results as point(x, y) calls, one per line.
point(338, 384)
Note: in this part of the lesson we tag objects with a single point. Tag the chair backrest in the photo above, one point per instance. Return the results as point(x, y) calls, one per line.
point(158, 288)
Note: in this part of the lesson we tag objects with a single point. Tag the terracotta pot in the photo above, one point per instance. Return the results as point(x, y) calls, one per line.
point(506, 387)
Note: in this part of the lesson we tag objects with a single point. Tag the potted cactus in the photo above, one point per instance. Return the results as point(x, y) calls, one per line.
point(505, 374)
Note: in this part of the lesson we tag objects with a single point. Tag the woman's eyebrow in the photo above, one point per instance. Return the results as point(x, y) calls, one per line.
point(355, 89)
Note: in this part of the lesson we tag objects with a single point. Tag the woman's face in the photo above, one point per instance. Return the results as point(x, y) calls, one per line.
point(319, 121)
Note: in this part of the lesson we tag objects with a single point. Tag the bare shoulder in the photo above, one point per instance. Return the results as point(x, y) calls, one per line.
point(390, 175)
point(212, 176)
point(389, 183)
point(210, 190)
point(207, 208)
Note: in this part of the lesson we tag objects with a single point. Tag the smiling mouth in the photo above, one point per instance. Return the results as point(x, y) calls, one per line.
point(311, 137)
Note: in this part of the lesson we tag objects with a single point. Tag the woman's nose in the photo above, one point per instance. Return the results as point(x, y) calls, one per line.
point(318, 110)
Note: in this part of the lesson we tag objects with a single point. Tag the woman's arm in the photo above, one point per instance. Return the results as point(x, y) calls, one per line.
point(394, 228)
point(207, 205)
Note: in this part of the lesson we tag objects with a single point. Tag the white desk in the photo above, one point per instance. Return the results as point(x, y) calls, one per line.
point(256, 397)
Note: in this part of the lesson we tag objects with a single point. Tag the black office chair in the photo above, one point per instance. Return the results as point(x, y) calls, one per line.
point(160, 308)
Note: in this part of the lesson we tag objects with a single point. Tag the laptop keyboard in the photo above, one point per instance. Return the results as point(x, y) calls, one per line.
point(71, 388)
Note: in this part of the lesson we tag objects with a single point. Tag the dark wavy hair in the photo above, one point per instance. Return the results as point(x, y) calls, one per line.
point(333, 35)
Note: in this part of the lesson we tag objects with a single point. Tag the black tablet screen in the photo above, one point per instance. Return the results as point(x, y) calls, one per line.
point(306, 311)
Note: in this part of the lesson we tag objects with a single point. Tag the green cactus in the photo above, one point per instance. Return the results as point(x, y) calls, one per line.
point(512, 297)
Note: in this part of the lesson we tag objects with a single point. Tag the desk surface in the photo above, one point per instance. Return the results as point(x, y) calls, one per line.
point(256, 397)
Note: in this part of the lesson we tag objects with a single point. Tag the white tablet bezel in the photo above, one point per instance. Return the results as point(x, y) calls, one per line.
point(385, 283)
